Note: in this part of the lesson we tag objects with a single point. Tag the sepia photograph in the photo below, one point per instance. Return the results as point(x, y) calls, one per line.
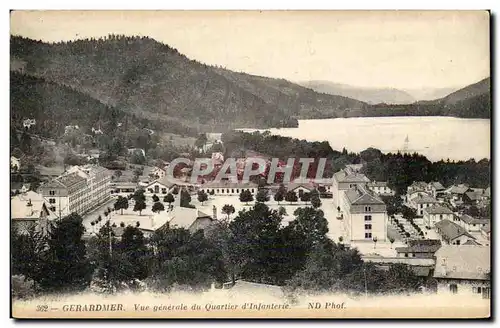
point(320, 164)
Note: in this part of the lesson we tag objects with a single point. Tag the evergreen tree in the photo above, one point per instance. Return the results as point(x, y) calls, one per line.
point(291, 196)
point(139, 206)
point(228, 210)
point(121, 204)
point(246, 196)
point(169, 198)
point(202, 197)
point(66, 266)
point(262, 196)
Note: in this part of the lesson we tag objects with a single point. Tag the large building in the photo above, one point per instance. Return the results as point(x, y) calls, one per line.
point(346, 179)
point(79, 190)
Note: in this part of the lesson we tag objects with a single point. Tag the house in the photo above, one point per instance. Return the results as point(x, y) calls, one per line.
point(435, 188)
point(472, 198)
point(380, 188)
point(416, 186)
point(19, 188)
point(70, 128)
point(473, 224)
point(27, 123)
point(122, 188)
point(419, 248)
point(456, 193)
point(166, 185)
point(452, 233)
point(436, 213)
point(421, 202)
point(189, 218)
point(132, 151)
point(30, 210)
point(15, 164)
point(228, 188)
point(300, 187)
point(463, 270)
point(156, 172)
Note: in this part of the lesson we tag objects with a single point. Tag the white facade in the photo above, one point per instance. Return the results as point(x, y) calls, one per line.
point(80, 190)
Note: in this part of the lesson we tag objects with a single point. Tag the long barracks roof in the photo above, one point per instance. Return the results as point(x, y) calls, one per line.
point(424, 199)
point(470, 220)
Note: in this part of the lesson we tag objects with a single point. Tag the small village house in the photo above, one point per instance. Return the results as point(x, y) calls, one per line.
point(473, 224)
point(30, 211)
point(419, 248)
point(463, 270)
point(436, 213)
point(380, 188)
point(421, 202)
point(452, 233)
point(15, 164)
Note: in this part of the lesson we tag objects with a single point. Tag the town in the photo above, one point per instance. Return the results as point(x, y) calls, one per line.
point(439, 233)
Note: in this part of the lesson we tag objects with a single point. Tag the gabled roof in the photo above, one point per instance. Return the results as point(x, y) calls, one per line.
point(424, 199)
point(470, 220)
point(437, 209)
point(436, 185)
point(293, 186)
point(458, 189)
point(29, 206)
point(418, 185)
point(473, 195)
point(343, 176)
point(463, 262)
point(450, 230)
point(183, 217)
point(361, 197)
point(472, 242)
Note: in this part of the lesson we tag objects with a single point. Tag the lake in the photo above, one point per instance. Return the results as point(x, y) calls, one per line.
point(434, 137)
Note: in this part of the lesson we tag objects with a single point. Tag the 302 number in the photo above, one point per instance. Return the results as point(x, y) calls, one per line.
point(42, 308)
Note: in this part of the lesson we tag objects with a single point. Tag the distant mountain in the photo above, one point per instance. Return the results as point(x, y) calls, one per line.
point(369, 95)
point(430, 93)
point(152, 80)
point(472, 101)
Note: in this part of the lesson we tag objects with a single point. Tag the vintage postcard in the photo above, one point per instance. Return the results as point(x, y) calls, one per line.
point(250, 164)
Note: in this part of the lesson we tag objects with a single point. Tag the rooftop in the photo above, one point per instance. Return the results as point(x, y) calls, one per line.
point(436, 185)
point(450, 230)
point(28, 206)
point(437, 209)
point(378, 184)
point(471, 220)
point(71, 179)
point(184, 217)
point(359, 196)
point(458, 189)
point(354, 177)
point(463, 262)
point(424, 199)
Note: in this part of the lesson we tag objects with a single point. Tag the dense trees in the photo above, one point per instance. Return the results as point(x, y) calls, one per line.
point(65, 264)
point(262, 196)
point(202, 196)
point(157, 207)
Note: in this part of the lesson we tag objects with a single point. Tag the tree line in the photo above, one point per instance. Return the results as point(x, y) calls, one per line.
point(253, 246)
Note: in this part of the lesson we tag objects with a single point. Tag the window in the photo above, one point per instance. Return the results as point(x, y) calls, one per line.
point(406, 254)
point(52, 200)
point(368, 209)
point(368, 226)
point(486, 292)
point(368, 235)
point(368, 217)
point(237, 191)
point(453, 288)
point(476, 290)
point(440, 216)
point(164, 190)
point(457, 242)
point(222, 191)
point(413, 255)
point(157, 189)
point(474, 225)
point(232, 191)
point(52, 192)
point(217, 190)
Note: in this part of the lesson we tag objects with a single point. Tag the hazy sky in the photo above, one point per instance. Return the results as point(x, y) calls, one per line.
point(376, 49)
